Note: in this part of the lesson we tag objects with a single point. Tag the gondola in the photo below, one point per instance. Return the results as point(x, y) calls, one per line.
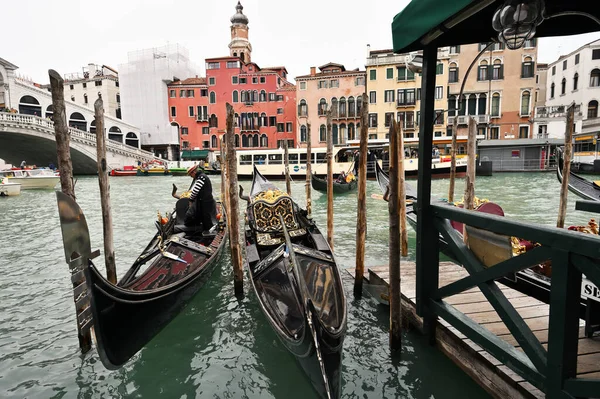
point(578, 185)
point(297, 282)
point(168, 273)
point(338, 188)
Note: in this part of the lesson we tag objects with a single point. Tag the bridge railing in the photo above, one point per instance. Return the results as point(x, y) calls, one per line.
point(87, 137)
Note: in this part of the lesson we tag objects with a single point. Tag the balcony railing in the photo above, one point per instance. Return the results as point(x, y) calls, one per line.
point(405, 103)
point(464, 119)
point(201, 118)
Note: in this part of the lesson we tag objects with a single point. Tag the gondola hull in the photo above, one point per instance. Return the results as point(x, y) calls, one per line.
point(578, 185)
point(338, 188)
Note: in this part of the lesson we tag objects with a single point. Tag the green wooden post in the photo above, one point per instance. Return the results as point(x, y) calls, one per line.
point(427, 235)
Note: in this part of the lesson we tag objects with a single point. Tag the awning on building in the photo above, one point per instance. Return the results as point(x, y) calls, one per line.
point(194, 155)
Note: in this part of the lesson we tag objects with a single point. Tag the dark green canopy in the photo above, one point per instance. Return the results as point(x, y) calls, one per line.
point(452, 22)
point(194, 155)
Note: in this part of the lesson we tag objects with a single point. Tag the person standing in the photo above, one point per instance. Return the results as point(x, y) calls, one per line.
point(23, 164)
point(202, 208)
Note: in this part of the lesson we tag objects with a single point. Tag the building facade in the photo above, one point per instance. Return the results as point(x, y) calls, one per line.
point(144, 96)
point(335, 88)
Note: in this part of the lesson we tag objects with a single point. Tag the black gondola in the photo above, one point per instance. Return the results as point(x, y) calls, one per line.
point(338, 188)
point(126, 316)
point(578, 185)
point(297, 282)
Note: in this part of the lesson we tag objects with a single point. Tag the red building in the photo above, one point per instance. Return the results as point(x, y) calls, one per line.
point(264, 101)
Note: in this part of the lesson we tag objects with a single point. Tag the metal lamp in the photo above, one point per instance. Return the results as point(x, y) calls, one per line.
point(516, 21)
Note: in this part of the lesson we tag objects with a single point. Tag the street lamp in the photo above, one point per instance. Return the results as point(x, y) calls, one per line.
point(516, 21)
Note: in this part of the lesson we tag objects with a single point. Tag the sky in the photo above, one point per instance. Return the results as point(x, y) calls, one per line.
point(66, 35)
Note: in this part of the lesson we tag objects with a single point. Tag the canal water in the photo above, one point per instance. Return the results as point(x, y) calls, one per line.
point(218, 347)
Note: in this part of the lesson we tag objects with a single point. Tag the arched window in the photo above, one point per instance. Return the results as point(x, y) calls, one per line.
point(243, 96)
point(263, 96)
point(303, 134)
point(236, 120)
point(496, 104)
point(351, 107)
point(595, 78)
point(77, 121)
point(235, 96)
point(255, 140)
point(255, 96)
point(462, 110)
point(264, 141)
point(482, 72)
point(322, 106)
point(213, 141)
point(236, 140)
point(527, 68)
point(498, 70)
point(525, 100)
point(452, 73)
point(593, 109)
point(29, 105)
point(93, 127)
point(334, 133)
point(351, 132)
point(472, 104)
point(342, 107)
point(575, 80)
point(302, 108)
point(341, 137)
point(132, 140)
point(50, 112)
point(552, 90)
point(264, 119)
point(334, 105)
point(114, 133)
point(563, 86)
point(358, 106)
point(213, 121)
point(245, 143)
point(482, 105)
point(322, 133)
point(213, 98)
point(452, 105)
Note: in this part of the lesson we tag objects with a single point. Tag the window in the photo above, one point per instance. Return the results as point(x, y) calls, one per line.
point(453, 73)
point(351, 107)
point(263, 79)
point(213, 98)
point(405, 74)
point(530, 43)
point(322, 133)
point(242, 81)
point(71, 87)
point(563, 86)
point(389, 73)
point(439, 117)
point(85, 84)
point(437, 134)
point(205, 130)
point(482, 72)
point(372, 97)
point(190, 93)
point(342, 107)
point(279, 111)
point(454, 49)
point(527, 68)
point(173, 112)
point(322, 108)
point(439, 92)
point(191, 110)
point(481, 46)
point(303, 134)
point(85, 98)
point(595, 78)
point(576, 59)
point(575, 81)
point(272, 97)
point(98, 83)
point(496, 104)
point(302, 85)
point(523, 132)
point(439, 69)
point(564, 65)
point(494, 132)
point(388, 96)
point(360, 81)
point(302, 108)
point(525, 100)
point(373, 74)
point(596, 54)
point(254, 80)
point(280, 127)
point(552, 90)
point(498, 46)
point(322, 84)
point(184, 130)
point(211, 81)
point(234, 80)
point(372, 120)
point(554, 70)
point(406, 97)
point(452, 105)
point(213, 65)
point(232, 64)
point(235, 96)
point(592, 109)
point(213, 121)
point(203, 92)
point(334, 83)
point(288, 126)
point(116, 84)
point(272, 120)
point(388, 119)
point(498, 70)
point(185, 144)
point(183, 93)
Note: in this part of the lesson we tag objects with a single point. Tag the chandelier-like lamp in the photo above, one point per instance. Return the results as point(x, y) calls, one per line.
point(516, 21)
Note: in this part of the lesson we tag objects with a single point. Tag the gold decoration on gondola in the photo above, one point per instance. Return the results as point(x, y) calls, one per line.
point(186, 194)
point(591, 228)
point(477, 202)
point(269, 196)
point(517, 248)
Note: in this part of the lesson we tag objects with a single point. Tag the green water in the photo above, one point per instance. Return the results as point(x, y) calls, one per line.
point(218, 347)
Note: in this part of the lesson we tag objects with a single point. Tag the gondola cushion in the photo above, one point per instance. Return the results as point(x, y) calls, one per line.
point(265, 215)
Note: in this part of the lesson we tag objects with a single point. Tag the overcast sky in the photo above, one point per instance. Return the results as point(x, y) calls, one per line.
point(68, 34)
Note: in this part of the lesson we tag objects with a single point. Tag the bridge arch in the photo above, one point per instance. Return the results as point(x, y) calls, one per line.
point(114, 133)
point(29, 105)
point(132, 140)
point(77, 120)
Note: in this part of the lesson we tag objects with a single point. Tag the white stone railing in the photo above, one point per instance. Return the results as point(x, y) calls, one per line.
point(84, 137)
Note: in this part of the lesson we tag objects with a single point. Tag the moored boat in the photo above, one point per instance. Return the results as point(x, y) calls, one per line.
point(32, 178)
point(178, 171)
point(580, 186)
point(8, 189)
point(163, 279)
point(338, 188)
point(297, 283)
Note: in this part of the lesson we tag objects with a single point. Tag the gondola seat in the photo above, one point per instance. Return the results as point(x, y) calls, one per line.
point(181, 208)
point(264, 219)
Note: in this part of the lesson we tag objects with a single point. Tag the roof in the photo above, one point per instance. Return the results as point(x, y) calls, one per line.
point(329, 74)
point(275, 68)
point(189, 82)
point(446, 23)
point(520, 143)
point(374, 52)
point(332, 64)
point(226, 57)
point(7, 64)
point(573, 52)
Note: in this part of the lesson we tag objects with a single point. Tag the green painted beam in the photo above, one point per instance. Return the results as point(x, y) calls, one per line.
point(588, 267)
point(582, 387)
point(587, 205)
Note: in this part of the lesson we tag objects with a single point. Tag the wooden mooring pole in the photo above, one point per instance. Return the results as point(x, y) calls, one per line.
point(107, 225)
point(308, 171)
point(224, 196)
point(233, 216)
point(402, 192)
point(469, 200)
point(361, 222)
point(564, 188)
point(394, 245)
point(65, 167)
point(329, 180)
point(286, 160)
point(453, 160)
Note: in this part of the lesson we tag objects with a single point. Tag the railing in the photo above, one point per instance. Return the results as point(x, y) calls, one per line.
point(464, 119)
point(590, 122)
point(552, 370)
point(86, 137)
point(522, 164)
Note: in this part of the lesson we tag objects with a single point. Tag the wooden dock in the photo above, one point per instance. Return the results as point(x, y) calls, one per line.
point(495, 377)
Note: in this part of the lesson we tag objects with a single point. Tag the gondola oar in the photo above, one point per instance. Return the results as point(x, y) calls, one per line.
point(306, 303)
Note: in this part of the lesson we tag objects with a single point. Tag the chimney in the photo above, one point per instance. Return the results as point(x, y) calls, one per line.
point(313, 71)
point(368, 50)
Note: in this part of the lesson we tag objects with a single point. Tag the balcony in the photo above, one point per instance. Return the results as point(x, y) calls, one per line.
point(201, 118)
point(464, 119)
point(590, 123)
point(409, 103)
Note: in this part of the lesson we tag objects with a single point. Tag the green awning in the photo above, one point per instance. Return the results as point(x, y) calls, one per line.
point(454, 22)
point(194, 154)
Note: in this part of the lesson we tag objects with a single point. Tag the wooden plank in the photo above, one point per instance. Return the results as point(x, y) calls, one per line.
point(542, 335)
point(535, 324)
point(493, 317)
point(478, 297)
point(518, 303)
point(588, 363)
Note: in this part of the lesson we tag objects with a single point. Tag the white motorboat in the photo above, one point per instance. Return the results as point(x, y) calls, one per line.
point(32, 178)
point(8, 189)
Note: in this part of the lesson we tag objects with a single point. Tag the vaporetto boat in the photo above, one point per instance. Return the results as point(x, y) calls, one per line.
point(32, 178)
point(270, 163)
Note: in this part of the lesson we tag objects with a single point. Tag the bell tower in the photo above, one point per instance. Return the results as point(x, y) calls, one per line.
point(240, 45)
